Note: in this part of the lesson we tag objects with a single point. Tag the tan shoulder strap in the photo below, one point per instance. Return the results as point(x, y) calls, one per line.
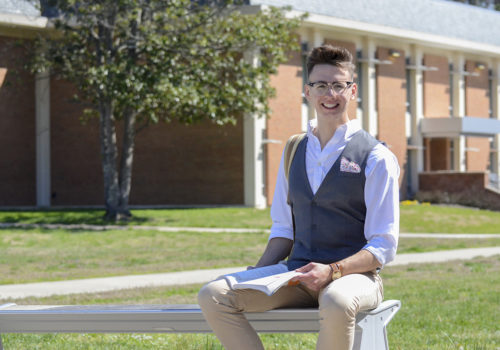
point(290, 149)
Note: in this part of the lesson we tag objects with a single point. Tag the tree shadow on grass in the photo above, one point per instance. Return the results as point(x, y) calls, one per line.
point(65, 217)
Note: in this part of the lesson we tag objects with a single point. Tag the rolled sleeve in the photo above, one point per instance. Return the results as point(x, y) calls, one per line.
point(382, 204)
point(281, 213)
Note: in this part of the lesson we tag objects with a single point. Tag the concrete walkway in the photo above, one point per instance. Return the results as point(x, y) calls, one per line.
point(219, 230)
point(95, 285)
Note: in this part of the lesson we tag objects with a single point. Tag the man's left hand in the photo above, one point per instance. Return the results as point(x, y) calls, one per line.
point(315, 276)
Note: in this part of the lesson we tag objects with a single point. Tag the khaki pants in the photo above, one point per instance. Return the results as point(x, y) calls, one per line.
point(338, 302)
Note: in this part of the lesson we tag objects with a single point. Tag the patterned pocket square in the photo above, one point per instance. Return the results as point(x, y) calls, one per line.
point(348, 166)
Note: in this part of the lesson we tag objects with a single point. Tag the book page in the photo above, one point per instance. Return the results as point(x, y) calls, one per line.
point(253, 274)
point(269, 284)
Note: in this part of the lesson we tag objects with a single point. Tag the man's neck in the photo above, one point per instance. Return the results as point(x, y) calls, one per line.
point(326, 128)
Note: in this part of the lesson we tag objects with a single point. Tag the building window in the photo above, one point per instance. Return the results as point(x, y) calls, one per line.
point(451, 90)
point(305, 105)
point(359, 81)
point(490, 93)
point(492, 156)
point(304, 48)
point(452, 154)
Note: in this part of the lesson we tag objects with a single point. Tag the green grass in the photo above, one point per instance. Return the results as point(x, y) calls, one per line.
point(414, 218)
point(198, 217)
point(454, 305)
point(32, 255)
point(448, 219)
point(420, 245)
point(48, 255)
point(451, 305)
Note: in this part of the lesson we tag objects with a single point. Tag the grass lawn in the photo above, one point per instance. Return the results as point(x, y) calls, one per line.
point(414, 218)
point(31, 255)
point(454, 305)
point(45, 255)
point(197, 217)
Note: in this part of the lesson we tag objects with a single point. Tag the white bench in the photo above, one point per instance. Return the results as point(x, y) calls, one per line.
point(370, 326)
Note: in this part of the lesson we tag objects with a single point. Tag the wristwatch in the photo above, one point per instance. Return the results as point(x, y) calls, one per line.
point(336, 271)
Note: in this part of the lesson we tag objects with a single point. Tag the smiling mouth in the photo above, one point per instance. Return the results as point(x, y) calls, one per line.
point(330, 105)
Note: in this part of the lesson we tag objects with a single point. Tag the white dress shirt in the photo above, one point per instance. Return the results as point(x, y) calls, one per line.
point(381, 190)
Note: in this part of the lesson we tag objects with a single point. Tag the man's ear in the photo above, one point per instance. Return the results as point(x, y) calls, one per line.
point(307, 91)
point(354, 91)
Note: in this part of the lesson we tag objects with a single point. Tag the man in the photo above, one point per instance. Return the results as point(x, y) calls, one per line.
point(336, 218)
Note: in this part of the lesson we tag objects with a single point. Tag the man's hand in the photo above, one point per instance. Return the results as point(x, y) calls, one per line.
point(315, 276)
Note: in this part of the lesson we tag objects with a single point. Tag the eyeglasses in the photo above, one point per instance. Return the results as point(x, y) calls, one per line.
point(322, 87)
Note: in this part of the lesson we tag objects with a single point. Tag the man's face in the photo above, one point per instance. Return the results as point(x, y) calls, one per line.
point(327, 102)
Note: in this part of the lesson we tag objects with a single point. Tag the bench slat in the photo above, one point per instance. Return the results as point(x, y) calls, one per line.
point(370, 333)
point(152, 319)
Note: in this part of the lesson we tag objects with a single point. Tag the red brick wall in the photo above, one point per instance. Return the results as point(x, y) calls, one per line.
point(391, 102)
point(17, 127)
point(285, 119)
point(436, 87)
point(458, 188)
point(452, 182)
point(173, 164)
point(75, 151)
point(195, 164)
point(436, 105)
point(477, 105)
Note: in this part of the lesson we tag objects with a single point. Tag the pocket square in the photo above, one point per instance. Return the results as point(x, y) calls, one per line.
point(348, 166)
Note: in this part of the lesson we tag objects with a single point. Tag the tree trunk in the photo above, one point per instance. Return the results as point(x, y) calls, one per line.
point(126, 161)
point(109, 160)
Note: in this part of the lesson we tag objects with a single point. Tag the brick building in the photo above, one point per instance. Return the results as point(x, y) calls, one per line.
point(429, 86)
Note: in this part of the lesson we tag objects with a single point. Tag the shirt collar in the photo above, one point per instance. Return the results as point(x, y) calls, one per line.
point(343, 132)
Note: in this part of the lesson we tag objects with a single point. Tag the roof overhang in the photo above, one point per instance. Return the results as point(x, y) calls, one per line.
point(19, 20)
point(380, 31)
point(404, 35)
point(19, 25)
point(455, 127)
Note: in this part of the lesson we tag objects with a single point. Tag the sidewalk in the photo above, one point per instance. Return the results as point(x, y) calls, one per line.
point(220, 230)
point(95, 285)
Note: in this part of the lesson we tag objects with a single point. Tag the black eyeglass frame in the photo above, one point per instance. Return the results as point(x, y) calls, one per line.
point(349, 83)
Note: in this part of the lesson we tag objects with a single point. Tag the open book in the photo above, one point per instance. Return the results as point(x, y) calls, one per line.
point(267, 279)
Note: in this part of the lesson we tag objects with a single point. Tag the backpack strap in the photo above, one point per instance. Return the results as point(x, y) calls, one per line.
point(290, 149)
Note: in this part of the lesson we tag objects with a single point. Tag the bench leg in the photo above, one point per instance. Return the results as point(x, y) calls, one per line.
point(1, 345)
point(371, 332)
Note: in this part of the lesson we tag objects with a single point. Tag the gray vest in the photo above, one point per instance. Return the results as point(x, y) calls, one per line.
point(329, 226)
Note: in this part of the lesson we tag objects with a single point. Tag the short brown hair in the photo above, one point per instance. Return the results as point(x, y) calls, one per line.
point(328, 54)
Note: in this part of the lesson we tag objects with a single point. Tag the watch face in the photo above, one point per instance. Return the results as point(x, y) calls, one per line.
point(336, 274)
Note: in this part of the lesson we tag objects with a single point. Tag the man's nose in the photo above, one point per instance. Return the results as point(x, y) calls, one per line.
point(330, 91)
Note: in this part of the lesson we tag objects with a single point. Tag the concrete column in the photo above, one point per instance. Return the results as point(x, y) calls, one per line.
point(316, 40)
point(496, 114)
point(369, 88)
point(254, 127)
point(417, 114)
point(459, 109)
point(42, 98)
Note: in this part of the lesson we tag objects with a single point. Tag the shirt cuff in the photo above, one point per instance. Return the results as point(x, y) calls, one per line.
point(281, 232)
point(383, 255)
